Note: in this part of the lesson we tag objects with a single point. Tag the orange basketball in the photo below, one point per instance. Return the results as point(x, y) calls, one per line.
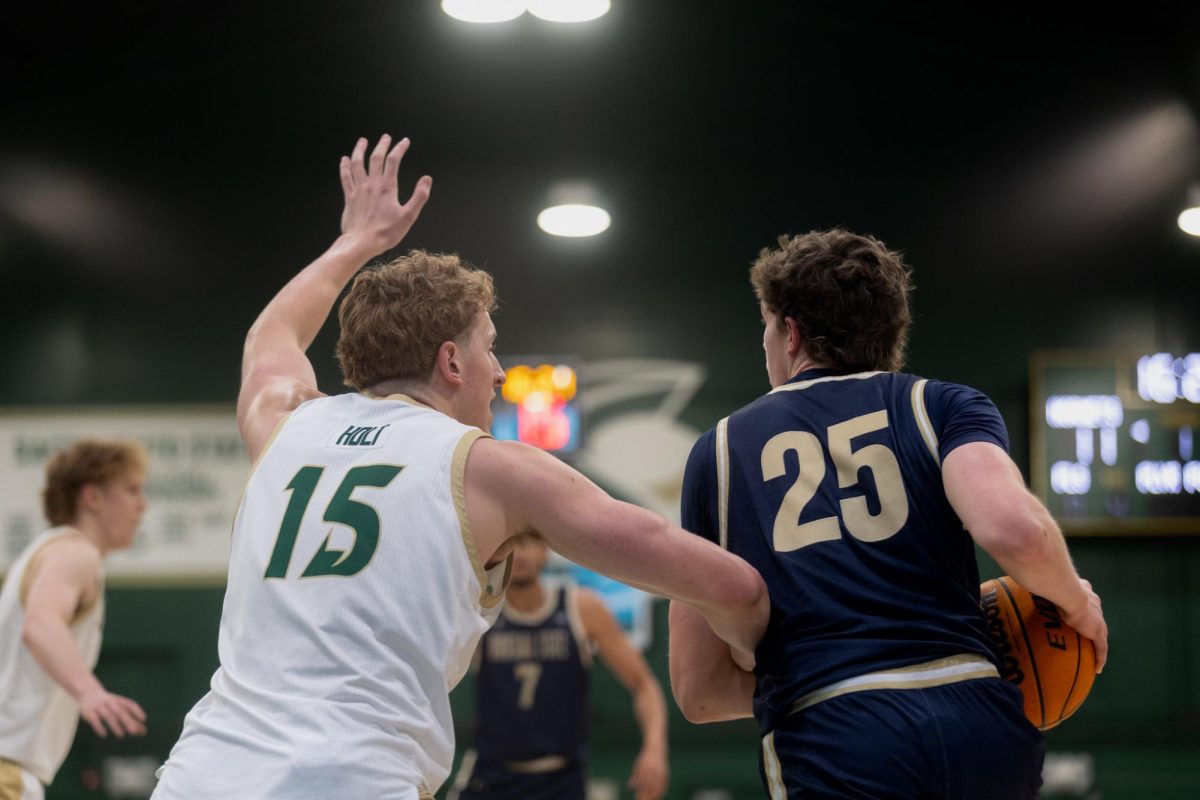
point(1049, 661)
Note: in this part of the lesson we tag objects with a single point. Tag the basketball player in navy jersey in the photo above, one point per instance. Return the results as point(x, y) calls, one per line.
point(859, 493)
point(532, 694)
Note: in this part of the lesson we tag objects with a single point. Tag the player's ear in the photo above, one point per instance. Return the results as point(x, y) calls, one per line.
point(90, 496)
point(795, 342)
point(449, 363)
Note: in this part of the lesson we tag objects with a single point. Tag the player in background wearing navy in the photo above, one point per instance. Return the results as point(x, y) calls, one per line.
point(531, 694)
point(858, 492)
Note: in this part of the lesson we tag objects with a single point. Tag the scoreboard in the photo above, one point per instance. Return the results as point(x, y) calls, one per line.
point(539, 404)
point(1114, 447)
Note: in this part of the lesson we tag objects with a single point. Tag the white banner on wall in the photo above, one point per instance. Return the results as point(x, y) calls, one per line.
point(198, 470)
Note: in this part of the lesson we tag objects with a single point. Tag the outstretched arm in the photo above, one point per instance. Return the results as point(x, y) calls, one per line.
point(514, 489)
point(65, 573)
point(276, 374)
point(988, 493)
point(650, 772)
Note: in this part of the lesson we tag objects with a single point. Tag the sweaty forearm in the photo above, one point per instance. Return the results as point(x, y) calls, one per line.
point(50, 642)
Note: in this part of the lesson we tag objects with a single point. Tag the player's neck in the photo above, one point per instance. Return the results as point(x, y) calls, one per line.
point(89, 528)
point(802, 363)
point(527, 598)
point(423, 392)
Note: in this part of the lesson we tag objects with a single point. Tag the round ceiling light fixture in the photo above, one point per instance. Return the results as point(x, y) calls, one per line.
point(569, 10)
point(484, 11)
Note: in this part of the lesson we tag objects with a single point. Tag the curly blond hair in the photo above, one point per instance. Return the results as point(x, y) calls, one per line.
point(87, 461)
point(397, 315)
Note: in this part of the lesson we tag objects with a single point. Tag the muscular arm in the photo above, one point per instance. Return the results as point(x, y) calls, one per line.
point(988, 493)
point(707, 684)
point(650, 772)
point(276, 374)
point(65, 574)
point(514, 489)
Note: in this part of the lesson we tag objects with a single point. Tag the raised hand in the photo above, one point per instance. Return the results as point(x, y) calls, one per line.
point(373, 213)
point(106, 712)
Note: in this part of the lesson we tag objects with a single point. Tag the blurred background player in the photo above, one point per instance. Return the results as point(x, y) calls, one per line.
point(531, 694)
point(370, 550)
point(848, 487)
point(52, 614)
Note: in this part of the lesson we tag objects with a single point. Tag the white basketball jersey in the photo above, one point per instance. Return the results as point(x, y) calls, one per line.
point(37, 716)
point(354, 603)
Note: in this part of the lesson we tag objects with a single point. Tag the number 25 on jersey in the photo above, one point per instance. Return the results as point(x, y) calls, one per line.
point(789, 533)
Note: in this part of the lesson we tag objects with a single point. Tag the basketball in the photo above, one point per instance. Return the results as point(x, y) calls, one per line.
point(1049, 661)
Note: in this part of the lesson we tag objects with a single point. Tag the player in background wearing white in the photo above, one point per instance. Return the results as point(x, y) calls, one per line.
point(335, 676)
point(531, 694)
point(52, 614)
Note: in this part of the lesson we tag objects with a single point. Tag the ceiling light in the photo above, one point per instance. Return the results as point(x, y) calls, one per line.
point(574, 220)
point(1189, 221)
point(484, 10)
point(569, 10)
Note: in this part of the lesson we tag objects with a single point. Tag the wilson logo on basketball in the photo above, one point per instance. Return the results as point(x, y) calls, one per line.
point(1046, 658)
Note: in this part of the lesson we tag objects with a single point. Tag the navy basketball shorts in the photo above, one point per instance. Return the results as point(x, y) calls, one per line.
point(496, 783)
point(967, 740)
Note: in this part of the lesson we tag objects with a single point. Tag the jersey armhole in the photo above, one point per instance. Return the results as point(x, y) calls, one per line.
point(493, 582)
point(722, 457)
point(575, 621)
point(924, 424)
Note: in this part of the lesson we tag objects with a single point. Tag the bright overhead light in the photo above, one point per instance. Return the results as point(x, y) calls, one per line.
point(1189, 221)
point(484, 10)
point(569, 10)
point(574, 220)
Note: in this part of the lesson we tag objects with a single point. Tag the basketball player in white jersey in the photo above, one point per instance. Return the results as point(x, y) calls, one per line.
point(52, 615)
point(371, 550)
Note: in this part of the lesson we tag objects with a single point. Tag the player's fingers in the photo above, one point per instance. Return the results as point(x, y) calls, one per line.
point(133, 726)
point(420, 195)
point(133, 709)
point(113, 721)
point(93, 719)
point(392, 166)
point(346, 175)
point(380, 153)
point(356, 161)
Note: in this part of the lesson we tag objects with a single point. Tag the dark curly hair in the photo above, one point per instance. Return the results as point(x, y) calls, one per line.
point(847, 293)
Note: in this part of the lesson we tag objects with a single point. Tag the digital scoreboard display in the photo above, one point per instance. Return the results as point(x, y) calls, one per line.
point(1114, 447)
point(539, 404)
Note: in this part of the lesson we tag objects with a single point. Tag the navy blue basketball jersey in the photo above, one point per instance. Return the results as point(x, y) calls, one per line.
point(532, 686)
point(830, 486)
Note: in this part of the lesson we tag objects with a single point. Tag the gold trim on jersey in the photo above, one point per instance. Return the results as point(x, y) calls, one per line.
point(466, 768)
point(575, 622)
point(267, 445)
point(772, 770)
point(940, 672)
point(30, 571)
point(536, 766)
point(12, 784)
point(791, 387)
point(538, 615)
point(922, 417)
point(403, 398)
point(723, 483)
point(490, 594)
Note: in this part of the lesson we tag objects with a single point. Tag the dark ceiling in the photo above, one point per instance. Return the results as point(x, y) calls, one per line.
point(165, 166)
